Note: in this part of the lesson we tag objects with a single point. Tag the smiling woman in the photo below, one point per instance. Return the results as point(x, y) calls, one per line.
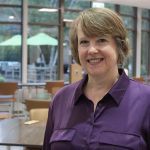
point(100, 110)
point(94, 25)
point(97, 55)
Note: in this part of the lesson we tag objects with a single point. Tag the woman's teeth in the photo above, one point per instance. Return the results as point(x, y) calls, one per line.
point(95, 60)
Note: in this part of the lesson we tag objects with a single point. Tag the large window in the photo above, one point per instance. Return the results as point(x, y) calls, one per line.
point(72, 10)
point(145, 47)
point(129, 18)
point(12, 2)
point(10, 40)
point(77, 4)
point(47, 28)
point(128, 15)
point(43, 21)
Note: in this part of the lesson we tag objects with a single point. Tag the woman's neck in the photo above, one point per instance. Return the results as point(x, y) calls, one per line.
point(97, 87)
point(102, 82)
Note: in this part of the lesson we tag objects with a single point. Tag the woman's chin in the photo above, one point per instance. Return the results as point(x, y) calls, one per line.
point(95, 73)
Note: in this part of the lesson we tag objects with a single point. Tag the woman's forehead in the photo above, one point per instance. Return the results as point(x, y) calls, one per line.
point(82, 34)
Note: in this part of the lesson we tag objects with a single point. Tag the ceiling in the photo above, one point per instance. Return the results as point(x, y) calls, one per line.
point(136, 3)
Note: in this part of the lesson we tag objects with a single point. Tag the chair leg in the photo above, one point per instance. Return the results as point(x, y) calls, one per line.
point(8, 147)
point(11, 111)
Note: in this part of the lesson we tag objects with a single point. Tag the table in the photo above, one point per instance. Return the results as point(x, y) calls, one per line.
point(28, 90)
point(13, 132)
point(32, 84)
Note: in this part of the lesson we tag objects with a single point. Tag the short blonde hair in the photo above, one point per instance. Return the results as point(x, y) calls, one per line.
point(97, 22)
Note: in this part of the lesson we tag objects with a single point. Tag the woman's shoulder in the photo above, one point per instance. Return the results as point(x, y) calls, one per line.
point(68, 88)
point(142, 90)
point(140, 85)
point(66, 93)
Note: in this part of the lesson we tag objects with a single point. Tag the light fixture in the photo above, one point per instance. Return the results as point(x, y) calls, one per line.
point(11, 17)
point(48, 10)
point(67, 20)
point(98, 4)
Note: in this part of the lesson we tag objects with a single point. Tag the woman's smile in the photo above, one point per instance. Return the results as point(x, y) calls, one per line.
point(95, 61)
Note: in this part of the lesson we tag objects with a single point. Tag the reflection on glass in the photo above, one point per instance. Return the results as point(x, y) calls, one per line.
point(37, 16)
point(145, 13)
point(145, 46)
point(46, 3)
point(10, 14)
point(130, 61)
point(127, 10)
point(18, 2)
point(70, 15)
point(77, 4)
point(43, 54)
point(145, 24)
point(10, 53)
point(129, 22)
point(98, 4)
point(109, 5)
point(145, 53)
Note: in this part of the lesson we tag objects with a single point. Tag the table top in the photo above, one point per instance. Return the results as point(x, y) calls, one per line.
point(31, 84)
point(15, 133)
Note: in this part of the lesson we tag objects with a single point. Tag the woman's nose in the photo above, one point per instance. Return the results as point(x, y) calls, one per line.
point(92, 49)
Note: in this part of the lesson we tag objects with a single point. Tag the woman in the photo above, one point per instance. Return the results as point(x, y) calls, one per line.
point(105, 110)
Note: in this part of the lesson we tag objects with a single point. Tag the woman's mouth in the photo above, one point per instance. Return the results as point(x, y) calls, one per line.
point(95, 60)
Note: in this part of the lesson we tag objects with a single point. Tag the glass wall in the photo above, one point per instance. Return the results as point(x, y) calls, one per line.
point(45, 23)
point(10, 40)
point(129, 16)
point(43, 20)
point(145, 47)
point(72, 9)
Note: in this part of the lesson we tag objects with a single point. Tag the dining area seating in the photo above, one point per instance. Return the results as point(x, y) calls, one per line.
point(7, 99)
point(36, 105)
point(139, 79)
point(53, 86)
point(75, 73)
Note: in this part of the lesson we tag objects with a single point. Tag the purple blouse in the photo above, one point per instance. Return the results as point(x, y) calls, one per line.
point(121, 120)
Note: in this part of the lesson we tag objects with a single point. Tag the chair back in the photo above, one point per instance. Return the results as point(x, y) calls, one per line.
point(139, 79)
point(33, 103)
point(75, 73)
point(8, 88)
point(7, 98)
point(53, 86)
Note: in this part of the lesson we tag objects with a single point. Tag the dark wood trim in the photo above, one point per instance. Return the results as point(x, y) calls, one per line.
point(10, 5)
point(61, 40)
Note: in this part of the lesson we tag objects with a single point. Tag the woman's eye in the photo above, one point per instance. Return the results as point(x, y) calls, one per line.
point(84, 43)
point(102, 40)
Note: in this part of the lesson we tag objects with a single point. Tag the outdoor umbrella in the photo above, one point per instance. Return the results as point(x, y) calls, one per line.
point(13, 41)
point(42, 39)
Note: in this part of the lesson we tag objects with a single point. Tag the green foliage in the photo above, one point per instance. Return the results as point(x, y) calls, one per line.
point(2, 78)
point(10, 54)
point(43, 17)
point(46, 3)
point(76, 4)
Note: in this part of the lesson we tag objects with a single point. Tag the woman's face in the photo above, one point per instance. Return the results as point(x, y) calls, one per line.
point(98, 55)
